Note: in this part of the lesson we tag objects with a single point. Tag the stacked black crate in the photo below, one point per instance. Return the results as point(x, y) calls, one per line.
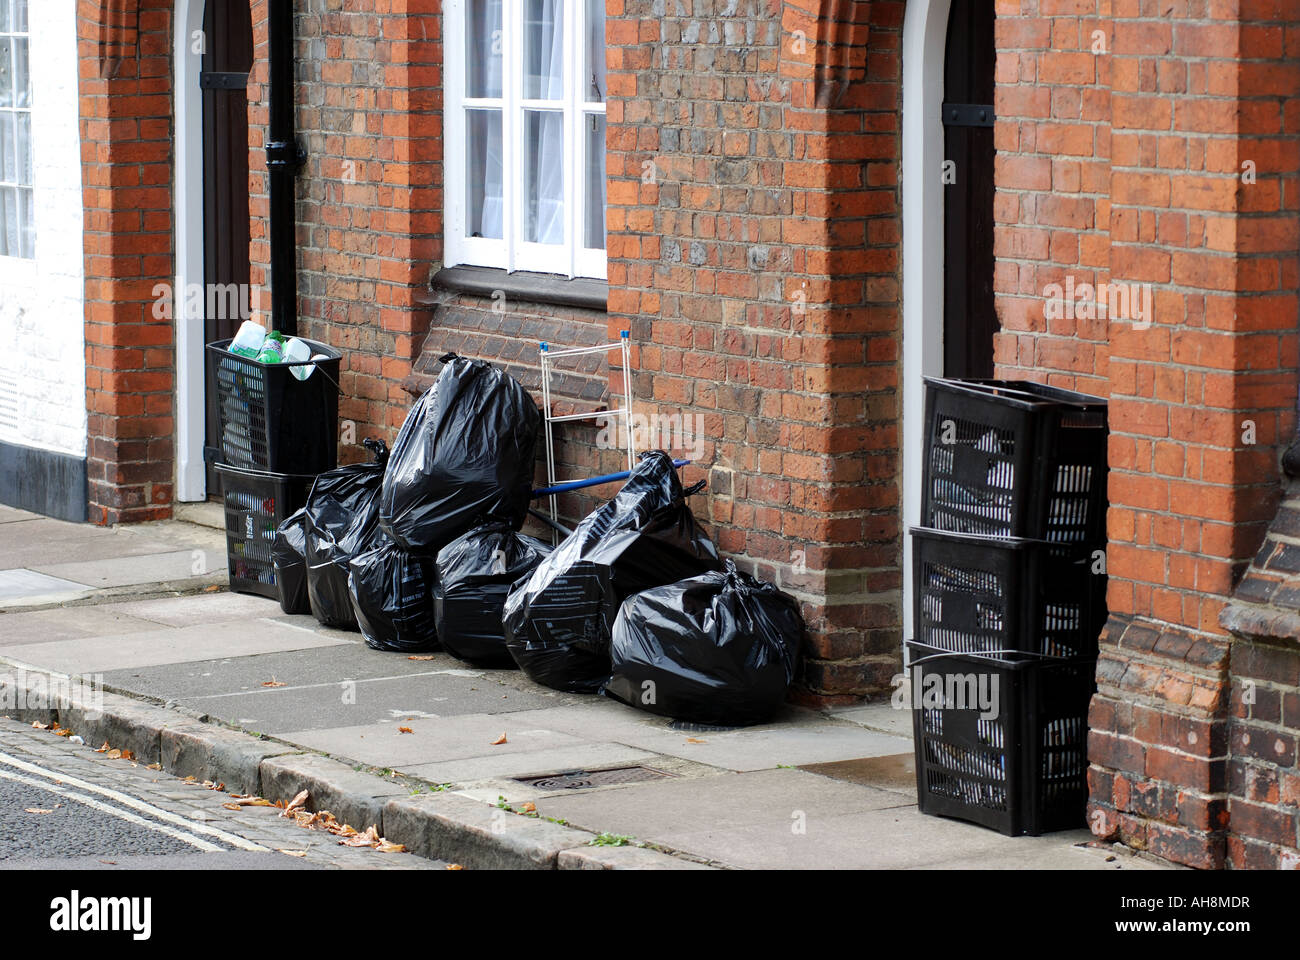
point(1009, 599)
point(278, 429)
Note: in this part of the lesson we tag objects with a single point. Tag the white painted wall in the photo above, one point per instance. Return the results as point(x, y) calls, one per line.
point(925, 29)
point(42, 321)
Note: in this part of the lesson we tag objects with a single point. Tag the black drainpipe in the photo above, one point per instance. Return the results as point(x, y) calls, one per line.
point(284, 157)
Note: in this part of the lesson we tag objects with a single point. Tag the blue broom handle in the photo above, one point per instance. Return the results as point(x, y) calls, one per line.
point(593, 482)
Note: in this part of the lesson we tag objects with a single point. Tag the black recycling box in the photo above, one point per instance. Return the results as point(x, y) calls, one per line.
point(975, 594)
point(1001, 741)
point(1012, 458)
point(268, 419)
point(256, 503)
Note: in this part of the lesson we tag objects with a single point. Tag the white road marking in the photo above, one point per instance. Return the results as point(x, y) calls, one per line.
point(113, 811)
point(134, 803)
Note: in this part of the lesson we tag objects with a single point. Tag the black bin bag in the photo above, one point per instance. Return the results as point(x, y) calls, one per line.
point(475, 573)
point(465, 453)
point(342, 518)
point(392, 598)
point(721, 648)
point(289, 559)
point(558, 620)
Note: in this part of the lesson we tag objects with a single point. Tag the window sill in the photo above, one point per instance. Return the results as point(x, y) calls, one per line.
point(521, 285)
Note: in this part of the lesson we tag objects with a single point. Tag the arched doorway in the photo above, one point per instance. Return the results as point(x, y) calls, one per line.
point(936, 297)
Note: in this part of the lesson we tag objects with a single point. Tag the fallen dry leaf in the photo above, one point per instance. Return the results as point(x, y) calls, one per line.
point(293, 853)
point(104, 748)
point(273, 683)
point(529, 807)
point(127, 754)
point(694, 740)
point(249, 802)
point(422, 656)
point(37, 725)
point(405, 730)
point(38, 810)
point(299, 802)
point(370, 838)
point(62, 732)
point(454, 866)
point(115, 754)
point(385, 847)
point(154, 766)
point(189, 779)
point(212, 589)
point(500, 740)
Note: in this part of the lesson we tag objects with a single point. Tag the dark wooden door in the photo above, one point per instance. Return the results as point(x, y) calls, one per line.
point(227, 59)
point(969, 322)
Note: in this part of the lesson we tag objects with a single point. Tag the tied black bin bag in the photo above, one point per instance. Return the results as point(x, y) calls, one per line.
point(289, 559)
point(558, 620)
point(342, 520)
point(465, 453)
point(475, 573)
point(720, 648)
point(392, 598)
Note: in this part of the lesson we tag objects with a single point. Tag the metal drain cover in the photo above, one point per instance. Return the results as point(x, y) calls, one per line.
point(580, 779)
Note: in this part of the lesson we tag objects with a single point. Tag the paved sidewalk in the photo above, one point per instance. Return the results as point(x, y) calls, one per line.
point(830, 789)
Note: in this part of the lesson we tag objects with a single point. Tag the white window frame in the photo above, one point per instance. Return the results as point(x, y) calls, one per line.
point(512, 252)
point(13, 111)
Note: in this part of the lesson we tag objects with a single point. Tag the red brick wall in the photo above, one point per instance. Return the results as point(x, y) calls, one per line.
point(1202, 401)
point(759, 275)
point(126, 153)
point(1052, 177)
point(369, 197)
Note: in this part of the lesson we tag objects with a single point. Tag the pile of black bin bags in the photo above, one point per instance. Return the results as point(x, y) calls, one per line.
point(422, 549)
point(363, 553)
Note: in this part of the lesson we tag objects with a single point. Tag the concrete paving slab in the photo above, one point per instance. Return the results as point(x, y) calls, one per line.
point(657, 809)
point(69, 623)
point(350, 659)
point(789, 819)
point(20, 586)
point(148, 568)
point(33, 543)
point(877, 716)
point(355, 702)
point(202, 608)
point(151, 647)
point(431, 740)
point(585, 756)
point(12, 514)
point(876, 840)
point(805, 737)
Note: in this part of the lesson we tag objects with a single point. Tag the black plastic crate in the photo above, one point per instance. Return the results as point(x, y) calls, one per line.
point(1001, 742)
point(256, 503)
point(1014, 459)
point(270, 420)
point(978, 595)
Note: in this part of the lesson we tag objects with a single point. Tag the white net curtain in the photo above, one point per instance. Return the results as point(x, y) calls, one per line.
point(540, 142)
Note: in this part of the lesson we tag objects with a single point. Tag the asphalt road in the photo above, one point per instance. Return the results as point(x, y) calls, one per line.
point(62, 805)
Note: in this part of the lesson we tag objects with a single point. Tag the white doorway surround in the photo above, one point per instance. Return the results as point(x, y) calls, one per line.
point(925, 30)
point(191, 479)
